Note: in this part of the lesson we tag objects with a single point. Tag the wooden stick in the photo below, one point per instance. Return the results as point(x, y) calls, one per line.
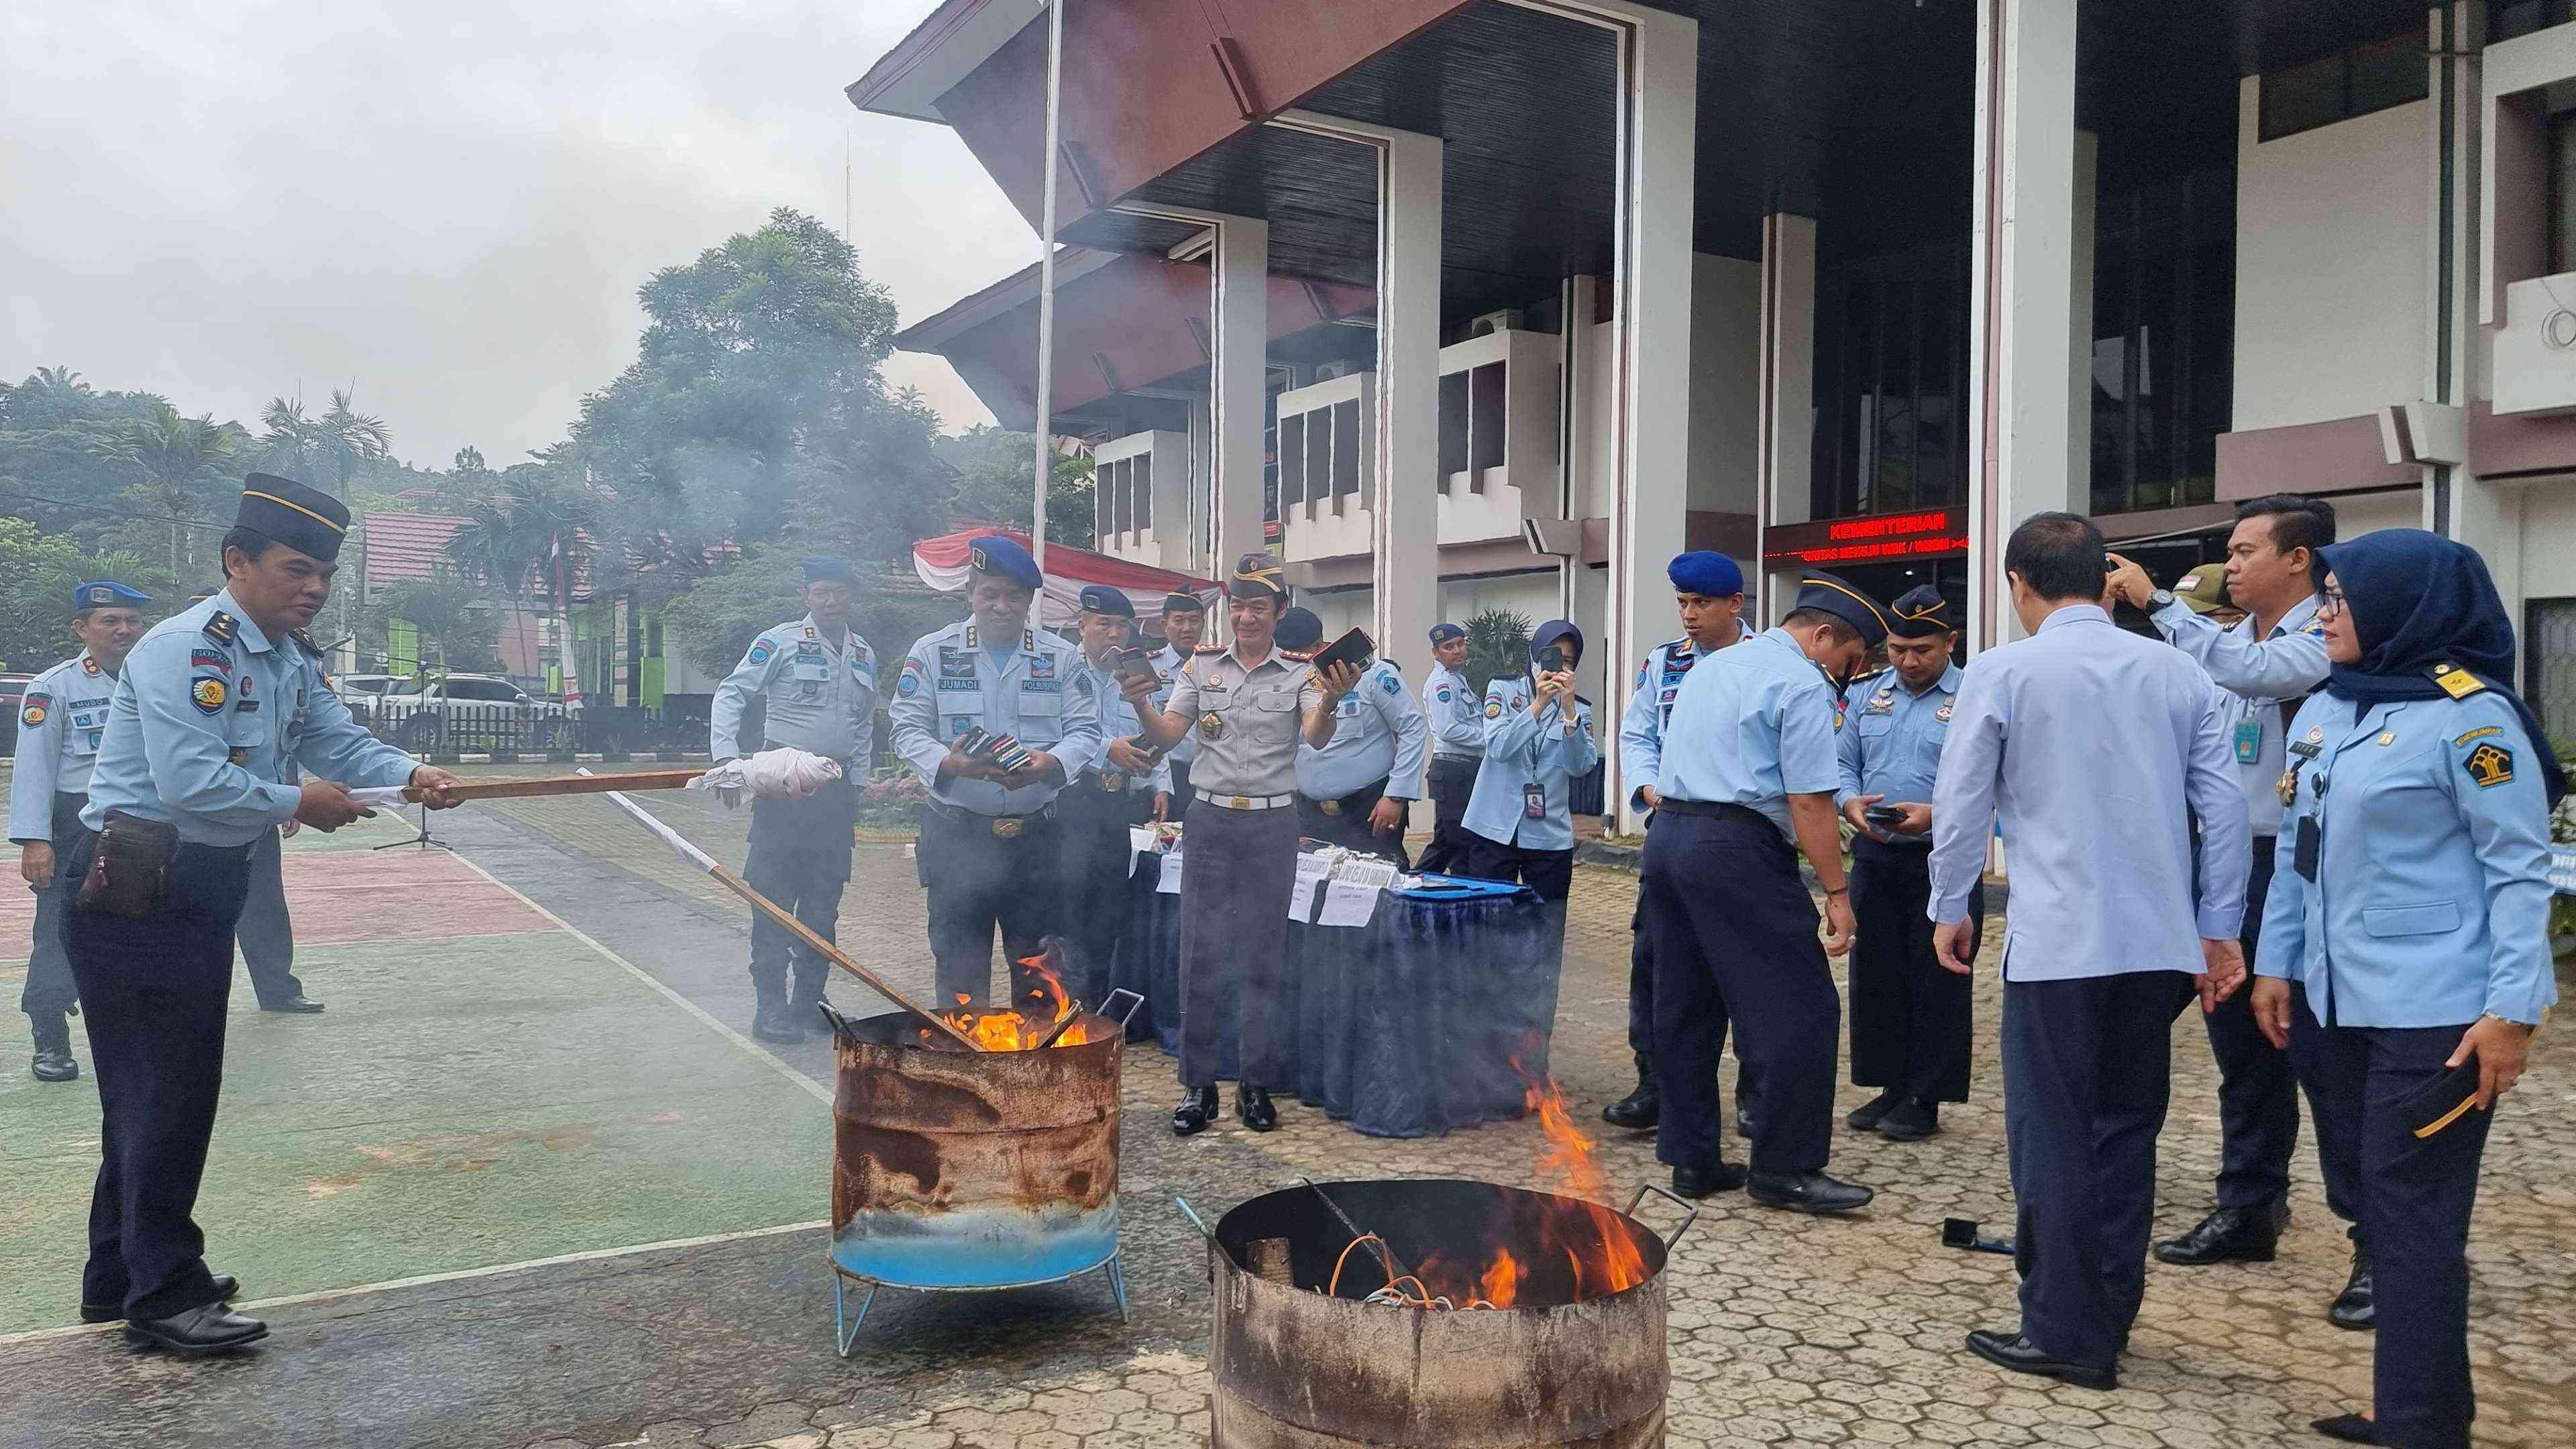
point(1061, 1028)
point(565, 785)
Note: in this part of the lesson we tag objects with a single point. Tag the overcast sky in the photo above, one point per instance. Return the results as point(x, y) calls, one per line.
point(449, 204)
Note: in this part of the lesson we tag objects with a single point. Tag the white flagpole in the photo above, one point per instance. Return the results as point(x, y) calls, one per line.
point(1046, 284)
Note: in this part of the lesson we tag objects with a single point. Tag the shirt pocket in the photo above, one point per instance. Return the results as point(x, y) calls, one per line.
point(1041, 716)
point(249, 730)
point(1273, 712)
point(2426, 918)
point(807, 680)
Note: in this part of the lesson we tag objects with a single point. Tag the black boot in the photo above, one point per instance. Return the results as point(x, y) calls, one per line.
point(805, 1009)
point(1868, 1115)
point(2357, 1306)
point(54, 1061)
point(1195, 1112)
point(1641, 1109)
point(2230, 1235)
point(1914, 1119)
point(770, 1020)
point(1252, 1104)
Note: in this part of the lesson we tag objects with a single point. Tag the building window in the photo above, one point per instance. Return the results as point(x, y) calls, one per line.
point(1892, 382)
point(2522, 17)
point(2549, 666)
point(2562, 192)
point(2345, 84)
point(2164, 301)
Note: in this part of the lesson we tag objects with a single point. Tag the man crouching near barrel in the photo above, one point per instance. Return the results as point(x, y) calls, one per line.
point(1248, 704)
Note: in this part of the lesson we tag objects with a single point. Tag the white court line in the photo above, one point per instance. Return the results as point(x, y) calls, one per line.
point(814, 1088)
point(593, 1255)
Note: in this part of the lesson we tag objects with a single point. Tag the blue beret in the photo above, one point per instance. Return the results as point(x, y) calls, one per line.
point(107, 594)
point(1920, 613)
point(1837, 597)
point(1443, 633)
point(994, 554)
point(825, 569)
point(1102, 599)
point(1297, 629)
point(1702, 572)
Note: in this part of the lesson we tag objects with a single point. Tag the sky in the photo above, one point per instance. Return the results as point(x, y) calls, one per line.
point(447, 206)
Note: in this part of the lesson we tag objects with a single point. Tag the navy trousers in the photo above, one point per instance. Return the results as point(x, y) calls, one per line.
point(1237, 869)
point(1092, 865)
point(981, 879)
point(1733, 932)
point(1910, 1015)
point(152, 996)
point(799, 858)
point(266, 932)
point(2415, 1197)
point(49, 992)
point(1451, 780)
point(2086, 1079)
point(2258, 1092)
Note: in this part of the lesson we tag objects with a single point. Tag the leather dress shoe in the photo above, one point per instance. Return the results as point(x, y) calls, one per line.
point(2230, 1235)
point(1699, 1182)
point(1913, 1120)
point(296, 1005)
point(225, 1284)
point(1743, 1121)
point(2019, 1354)
point(1252, 1104)
point(1194, 1115)
point(1806, 1192)
point(2357, 1306)
point(1641, 1109)
point(1867, 1116)
point(2350, 1428)
point(771, 1022)
point(211, 1329)
point(55, 1064)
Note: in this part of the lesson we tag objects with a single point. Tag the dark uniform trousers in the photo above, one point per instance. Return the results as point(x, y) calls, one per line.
point(2258, 1092)
point(1094, 856)
point(1237, 867)
point(2086, 1079)
point(1909, 1013)
point(984, 871)
point(1733, 932)
point(266, 931)
point(2414, 1201)
point(49, 991)
point(1347, 825)
point(1182, 794)
point(153, 995)
point(799, 858)
point(1451, 780)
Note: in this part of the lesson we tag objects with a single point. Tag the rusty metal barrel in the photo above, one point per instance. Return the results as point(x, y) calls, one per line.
point(1296, 1368)
point(958, 1169)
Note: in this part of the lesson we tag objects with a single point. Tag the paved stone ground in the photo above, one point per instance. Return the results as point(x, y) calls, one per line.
point(1785, 1330)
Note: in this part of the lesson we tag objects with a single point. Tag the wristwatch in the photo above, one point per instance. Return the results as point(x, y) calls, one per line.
point(2159, 599)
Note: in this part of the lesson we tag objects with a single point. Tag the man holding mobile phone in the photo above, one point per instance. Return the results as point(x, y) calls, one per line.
point(1354, 787)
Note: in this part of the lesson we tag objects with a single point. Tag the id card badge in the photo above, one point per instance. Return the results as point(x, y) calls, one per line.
point(2249, 741)
point(2303, 854)
point(1533, 801)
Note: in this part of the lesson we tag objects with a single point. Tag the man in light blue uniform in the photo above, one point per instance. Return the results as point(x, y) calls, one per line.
point(1184, 622)
point(1708, 589)
point(1747, 781)
point(2091, 747)
point(988, 834)
point(1457, 748)
point(1909, 1017)
point(818, 679)
point(212, 707)
point(1353, 791)
point(60, 721)
point(1129, 785)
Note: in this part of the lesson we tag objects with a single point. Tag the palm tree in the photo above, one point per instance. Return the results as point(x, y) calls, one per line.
point(533, 534)
point(176, 456)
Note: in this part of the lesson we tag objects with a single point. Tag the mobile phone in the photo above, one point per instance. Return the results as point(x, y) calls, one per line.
point(1354, 647)
point(1884, 815)
point(1552, 659)
point(1130, 661)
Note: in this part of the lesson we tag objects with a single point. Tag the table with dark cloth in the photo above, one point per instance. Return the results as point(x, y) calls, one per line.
point(1433, 1016)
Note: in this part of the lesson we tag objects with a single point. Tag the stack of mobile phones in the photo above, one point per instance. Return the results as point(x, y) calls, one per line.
point(1354, 647)
point(1002, 750)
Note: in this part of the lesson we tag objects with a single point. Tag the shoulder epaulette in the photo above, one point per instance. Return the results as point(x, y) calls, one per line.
point(306, 640)
point(2456, 682)
point(222, 627)
point(1209, 649)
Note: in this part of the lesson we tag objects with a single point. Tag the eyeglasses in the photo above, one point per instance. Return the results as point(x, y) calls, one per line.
point(2330, 600)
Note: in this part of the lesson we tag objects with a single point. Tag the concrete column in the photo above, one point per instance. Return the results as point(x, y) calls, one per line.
point(1405, 562)
point(1239, 347)
point(2485, 515)
point(2021, 325)
point(1786, 417)
point(2079, 311)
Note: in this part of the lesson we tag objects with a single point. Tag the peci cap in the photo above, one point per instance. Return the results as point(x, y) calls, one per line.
point(1102, 599)
point(1703, 572)
point(1260, 573)
point(824, 569)
point(1001, 557)
point(107, 594)
point(2204, 589)
point(1298, 629)
point(307, 520)
point(1921, 612)
point(1178, 602)
point(1820, 590)
point(1443, 633)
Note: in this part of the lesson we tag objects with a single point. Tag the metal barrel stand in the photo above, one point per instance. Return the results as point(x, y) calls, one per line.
point(845, 1325)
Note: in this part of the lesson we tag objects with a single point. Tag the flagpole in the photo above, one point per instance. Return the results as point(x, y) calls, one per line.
point(1046, 286)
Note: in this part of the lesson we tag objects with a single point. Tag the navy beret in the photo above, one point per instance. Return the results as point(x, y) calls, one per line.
point(107, 594)
point(1702, 572)
point(1443, 633)
point(307, 520)
point(1297, 629)
point(1921, 612)
point(1102, 599)
point(1180, 603)
point(1840, 599)
point(825, 569)
point(999, 556)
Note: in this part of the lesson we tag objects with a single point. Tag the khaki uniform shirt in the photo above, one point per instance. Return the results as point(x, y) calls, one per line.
point(1247, 721)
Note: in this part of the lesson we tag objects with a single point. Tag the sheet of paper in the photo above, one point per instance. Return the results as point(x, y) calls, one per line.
point(1376, 875)
point(1170, 884)
point(1140, 841)
point(1346, 904)
point(377, 797)
point(1301, 896)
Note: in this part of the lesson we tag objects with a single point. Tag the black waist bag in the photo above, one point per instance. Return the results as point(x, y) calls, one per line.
point(129, 871)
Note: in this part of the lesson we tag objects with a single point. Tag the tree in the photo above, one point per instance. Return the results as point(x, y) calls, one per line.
point(38, 571)
point(993, 472)
point(452, 615)
point(716, 620)
point(536, 535)
point(1497, 643)
point(177, 459)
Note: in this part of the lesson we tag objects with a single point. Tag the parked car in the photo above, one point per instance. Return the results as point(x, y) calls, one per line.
point(351, 686)
point(470, 711)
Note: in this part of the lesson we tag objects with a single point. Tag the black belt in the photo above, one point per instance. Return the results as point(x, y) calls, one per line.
point(1003, 827)
point(219, 852)
point(1715, 811)
point(1874, 846)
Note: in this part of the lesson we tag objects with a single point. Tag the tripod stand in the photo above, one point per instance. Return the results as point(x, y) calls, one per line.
point(423, 839)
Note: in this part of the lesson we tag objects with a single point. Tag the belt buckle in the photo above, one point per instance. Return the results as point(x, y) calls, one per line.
point(1241, 802)
point(1329, 807)
point(1008, 827)
point(1111, 782)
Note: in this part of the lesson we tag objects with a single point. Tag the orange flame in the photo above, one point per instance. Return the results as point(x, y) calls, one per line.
point(1018, 1031)
point(1501, 1284)
point(1596, 1240)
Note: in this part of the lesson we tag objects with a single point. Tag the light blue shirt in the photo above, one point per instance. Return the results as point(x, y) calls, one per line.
point(1650, 708)
point(1167, 668)
point(821, 699)
point(1457, 718)
point(2257, 674)
point(1521, 749)
point(210, 719)
point(60, 722)
point(2090, 746)
point(1890, 744)
point(1041, 694)
point(1379, 733)
point(1118, 721)
point(2431, 902)
point(1751, 725)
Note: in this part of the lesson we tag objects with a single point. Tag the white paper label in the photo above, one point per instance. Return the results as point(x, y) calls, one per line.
point(1140, 841)
point(1301, 896)
point(1170, 884)
point(1346, 904)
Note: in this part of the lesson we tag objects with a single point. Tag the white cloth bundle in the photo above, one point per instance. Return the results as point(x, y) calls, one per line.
point(785, 773)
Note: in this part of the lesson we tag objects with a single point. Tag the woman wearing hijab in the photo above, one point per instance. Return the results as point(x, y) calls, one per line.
point(2415, 914)
point(1538, 740)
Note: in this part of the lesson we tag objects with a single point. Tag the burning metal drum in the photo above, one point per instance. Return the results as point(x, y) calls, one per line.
point(956, 1170)
point(1525, 1319)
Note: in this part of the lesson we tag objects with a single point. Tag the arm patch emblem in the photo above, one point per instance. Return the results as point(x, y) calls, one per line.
point(37, 707)
point(2489, 765)
point(1493, 709)
point(760, 652)
point(207, 692)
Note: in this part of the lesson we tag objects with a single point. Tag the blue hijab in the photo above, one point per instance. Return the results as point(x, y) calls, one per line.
point(2419, 600)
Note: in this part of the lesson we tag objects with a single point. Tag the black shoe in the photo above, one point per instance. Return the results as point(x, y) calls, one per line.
point(1699, 1182)
point(1913, 1120)
point(225, 1284)
point(2230, 1235)
point(1806, 1192)
point(2019, 1354)
point(1252, 1104)
point(2357, 1306)
point(807, 1013)
point(1194, 1115)
point(1641, 1109)
point(1873, 1112)
point(211, 1329)
point(296, 1005)
point(2350, 1428)
point(1743, 1122)
point(55, 1064)
point(770, 1021)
